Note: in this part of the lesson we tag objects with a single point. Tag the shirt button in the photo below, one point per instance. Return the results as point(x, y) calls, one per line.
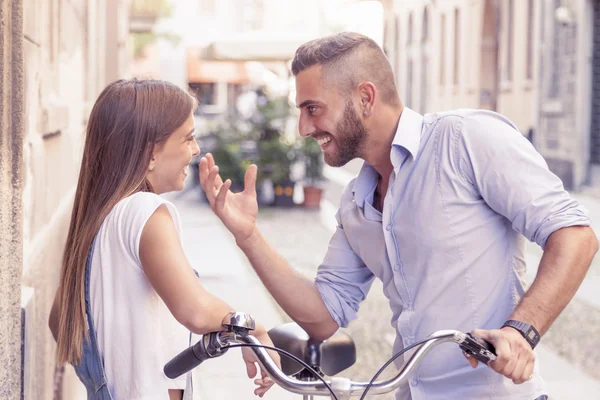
point(397, 267)
point(414, 382)
point(406, 306)
point(388, 227)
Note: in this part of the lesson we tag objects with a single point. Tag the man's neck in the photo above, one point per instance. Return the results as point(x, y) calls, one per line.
point(381, 136)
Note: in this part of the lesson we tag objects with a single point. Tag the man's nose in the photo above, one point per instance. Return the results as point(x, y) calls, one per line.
point(305, 126)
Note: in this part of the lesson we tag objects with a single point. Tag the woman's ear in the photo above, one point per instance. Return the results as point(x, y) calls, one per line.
point(152, 163)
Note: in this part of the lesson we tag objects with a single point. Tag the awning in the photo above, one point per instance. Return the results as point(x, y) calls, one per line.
point(255, 46)
point(206, 71)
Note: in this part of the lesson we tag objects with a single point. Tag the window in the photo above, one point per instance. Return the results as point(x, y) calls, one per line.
point(206, 93)
point(409, 34)
point(208, 7)
point(530, 30)
point(409, 69)
point(397, 56)
point(456, 46)
point(250, 14)
point(442, 50)
point(554, 55)
point(424, 61)
point(509, 41)
point(409, 86)
point(506, 41)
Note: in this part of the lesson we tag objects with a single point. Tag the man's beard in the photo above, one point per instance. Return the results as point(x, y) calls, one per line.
point(351, 138)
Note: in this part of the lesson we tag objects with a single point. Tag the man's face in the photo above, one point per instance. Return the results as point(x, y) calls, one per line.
point(329, 118)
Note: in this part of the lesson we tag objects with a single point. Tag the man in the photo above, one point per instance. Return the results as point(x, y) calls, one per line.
point(439, 212)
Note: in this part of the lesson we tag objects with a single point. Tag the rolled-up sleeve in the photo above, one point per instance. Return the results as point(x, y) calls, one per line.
point(342, 279)
point(513, 178)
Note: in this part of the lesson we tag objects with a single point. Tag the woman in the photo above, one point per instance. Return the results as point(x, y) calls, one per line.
point(124, 271)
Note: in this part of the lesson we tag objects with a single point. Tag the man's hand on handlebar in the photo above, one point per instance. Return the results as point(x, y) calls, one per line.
point(515, 357)
point(264, 383)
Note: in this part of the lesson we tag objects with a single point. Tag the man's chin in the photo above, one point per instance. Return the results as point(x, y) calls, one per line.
point(336, 163)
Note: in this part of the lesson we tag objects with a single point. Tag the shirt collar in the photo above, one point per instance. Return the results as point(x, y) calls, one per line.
point(408, 136)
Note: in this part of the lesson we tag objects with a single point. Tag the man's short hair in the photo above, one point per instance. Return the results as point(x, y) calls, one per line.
point(348, 59)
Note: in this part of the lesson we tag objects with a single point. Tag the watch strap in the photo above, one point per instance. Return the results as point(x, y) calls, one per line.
point(531, 335)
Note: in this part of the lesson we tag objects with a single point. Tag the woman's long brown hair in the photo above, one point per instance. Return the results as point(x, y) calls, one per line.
point(129, 119)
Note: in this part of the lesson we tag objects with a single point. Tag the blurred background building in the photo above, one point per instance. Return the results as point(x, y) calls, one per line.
point(535, 61)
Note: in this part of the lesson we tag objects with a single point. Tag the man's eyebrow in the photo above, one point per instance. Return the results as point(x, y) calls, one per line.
point(306, 103)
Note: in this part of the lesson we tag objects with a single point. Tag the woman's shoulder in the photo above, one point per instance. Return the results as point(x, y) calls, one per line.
point(138, 208)
point(126, 221)
point(142, 201)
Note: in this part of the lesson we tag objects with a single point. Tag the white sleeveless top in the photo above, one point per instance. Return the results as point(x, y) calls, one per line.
point(136, 332)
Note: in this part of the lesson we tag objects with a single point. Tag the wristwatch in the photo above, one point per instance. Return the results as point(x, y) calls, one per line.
point(528, 331)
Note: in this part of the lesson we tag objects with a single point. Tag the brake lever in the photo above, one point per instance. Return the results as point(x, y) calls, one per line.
point(478, 348)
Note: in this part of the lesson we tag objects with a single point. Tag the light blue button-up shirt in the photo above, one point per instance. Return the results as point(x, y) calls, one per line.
point(466, 190)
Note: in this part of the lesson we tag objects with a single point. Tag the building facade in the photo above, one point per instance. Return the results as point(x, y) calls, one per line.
point(535, 61)
point(466, 53)
point(60, 55)
point(569, 112)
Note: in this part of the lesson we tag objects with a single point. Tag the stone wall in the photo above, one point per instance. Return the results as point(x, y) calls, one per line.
point(11, 180)
point(57, 55)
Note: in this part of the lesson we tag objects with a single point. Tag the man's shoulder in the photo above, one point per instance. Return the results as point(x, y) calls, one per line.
point(475, 121)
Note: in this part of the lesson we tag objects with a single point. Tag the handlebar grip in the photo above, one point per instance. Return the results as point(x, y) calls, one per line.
point(187, 360)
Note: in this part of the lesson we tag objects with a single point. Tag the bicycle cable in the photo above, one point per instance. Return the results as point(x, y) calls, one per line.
point(391, 360)
point(293, 357)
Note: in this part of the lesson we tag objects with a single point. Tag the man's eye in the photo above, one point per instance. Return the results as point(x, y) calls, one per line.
point(312, 109)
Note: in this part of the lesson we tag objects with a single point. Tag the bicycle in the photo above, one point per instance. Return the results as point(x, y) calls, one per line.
point(307, 361)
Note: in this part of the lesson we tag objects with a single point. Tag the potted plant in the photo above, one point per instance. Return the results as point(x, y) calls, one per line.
point(276, 158)
point(313, 173)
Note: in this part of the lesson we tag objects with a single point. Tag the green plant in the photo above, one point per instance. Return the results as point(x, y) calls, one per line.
point(312, 155)
point(276, 158)
point(228, 154)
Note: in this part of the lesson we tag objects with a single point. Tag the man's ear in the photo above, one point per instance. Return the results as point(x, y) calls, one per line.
point(367, 93)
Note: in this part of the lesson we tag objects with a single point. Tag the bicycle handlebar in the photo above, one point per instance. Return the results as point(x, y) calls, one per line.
point(216, 344)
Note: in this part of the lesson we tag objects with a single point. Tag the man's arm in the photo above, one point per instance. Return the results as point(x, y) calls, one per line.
point(320, 307)
point(297, 295)
point(567, 257)
point(514, 180)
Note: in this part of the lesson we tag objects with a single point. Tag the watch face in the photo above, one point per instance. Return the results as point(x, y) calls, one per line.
point(531, 334)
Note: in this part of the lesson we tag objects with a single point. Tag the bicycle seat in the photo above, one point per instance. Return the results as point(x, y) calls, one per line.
point(335, 354)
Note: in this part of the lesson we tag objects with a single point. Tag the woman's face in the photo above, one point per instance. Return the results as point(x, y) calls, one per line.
point(170, 163)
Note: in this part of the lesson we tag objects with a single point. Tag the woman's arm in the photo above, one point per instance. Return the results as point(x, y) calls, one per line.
point(171, 275)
